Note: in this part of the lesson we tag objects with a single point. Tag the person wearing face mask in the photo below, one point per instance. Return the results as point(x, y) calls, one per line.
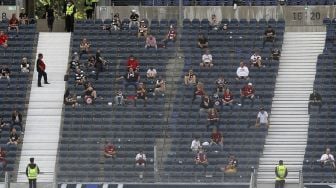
point(70, 11)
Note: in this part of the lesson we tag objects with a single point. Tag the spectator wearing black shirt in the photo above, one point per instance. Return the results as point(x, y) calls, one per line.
point(5, 73)
point(130, 78)
point(100, 63)
point(269, 35)
point(315, 99)
point(134, 19)
point(116, 23)
point(206, 104)
point(202, 41)
point(50, 17)
point(143, 29)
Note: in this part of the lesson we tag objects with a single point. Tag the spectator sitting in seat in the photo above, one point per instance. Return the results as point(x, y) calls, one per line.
point(151, 42)
point(24, 65)
point(242, 72)
point(110, 150)
point(79, 77)
point(201, 158)
point(70, 98)
point(133, 63)
point(328, 158)
point(24, 20)
point(134, 19)
point(202, 41)
point(214, 24)
point(84, 47)
point(140, 159)
point(216, 138)
point(171, 36)
point(119, 99)
point(221, 84)
point(269, 35)
point(206, 59)
point(91, 61)
point(3, 39)
point(217, 101)
point(116, 23)
point(141, 94)
point(231, 167)
point(199, 91)
point(3, 161)
point(227, 98)
point(143, 29)
point(90, 94)
point(2, 124)
point(275, 54)
point(225, 28)
point(151, 74)
point(213, 118)
point(14, 24)
point(315, 99)
point(195, 144)
point(131, 78)
point(16, 119)
point(160, 87)
point(206, 104)
point(190, 78)
point(247, 92)
point(256, 60)
point(5, 73)
point(262, 118)
point(13, 137)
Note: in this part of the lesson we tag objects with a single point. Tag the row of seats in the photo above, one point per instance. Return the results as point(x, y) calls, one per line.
point(241, 138)
point(219, 2)
point(321, 125)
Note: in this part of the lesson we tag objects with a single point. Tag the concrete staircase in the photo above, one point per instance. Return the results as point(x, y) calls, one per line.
point(45, 108)
point(287, 136)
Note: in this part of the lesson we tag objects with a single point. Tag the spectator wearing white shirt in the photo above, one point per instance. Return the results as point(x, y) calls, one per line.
point(206, 59)
point(151, 73)
point(327, 158)
point(140, 159)
point(195, 144)
point(262, 118)
point(256, 60)
point(242, 72)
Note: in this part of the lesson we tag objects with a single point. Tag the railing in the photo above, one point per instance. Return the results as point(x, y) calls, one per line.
point(253, 180)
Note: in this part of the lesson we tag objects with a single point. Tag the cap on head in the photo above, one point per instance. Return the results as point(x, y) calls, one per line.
point(31, 160)
point(249, 84)
point(133, 11)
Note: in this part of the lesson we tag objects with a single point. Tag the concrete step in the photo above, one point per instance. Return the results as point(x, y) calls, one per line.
point(303, 142)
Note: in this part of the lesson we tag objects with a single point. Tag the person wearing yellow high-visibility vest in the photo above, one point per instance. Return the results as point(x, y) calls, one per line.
point(70, 11)
point(32, 171)
point(281, 174)
point(88, 8)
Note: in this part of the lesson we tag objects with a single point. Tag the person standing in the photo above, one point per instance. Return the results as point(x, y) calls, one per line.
point(281, 174)
point(50, 18)
point(32, 171)
point(88, 8)
point(40, 67)
point(70, 11)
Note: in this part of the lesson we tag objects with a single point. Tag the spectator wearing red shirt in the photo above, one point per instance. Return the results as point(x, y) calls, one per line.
point(110, 150)
point(201, 159)
point(3, 39)
point(217, 138)
point(213, 118)
point(171, 36)
point(3, 161)
point(227, 98)
point(14, 23)
point(247, 92)
point(133, 63)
